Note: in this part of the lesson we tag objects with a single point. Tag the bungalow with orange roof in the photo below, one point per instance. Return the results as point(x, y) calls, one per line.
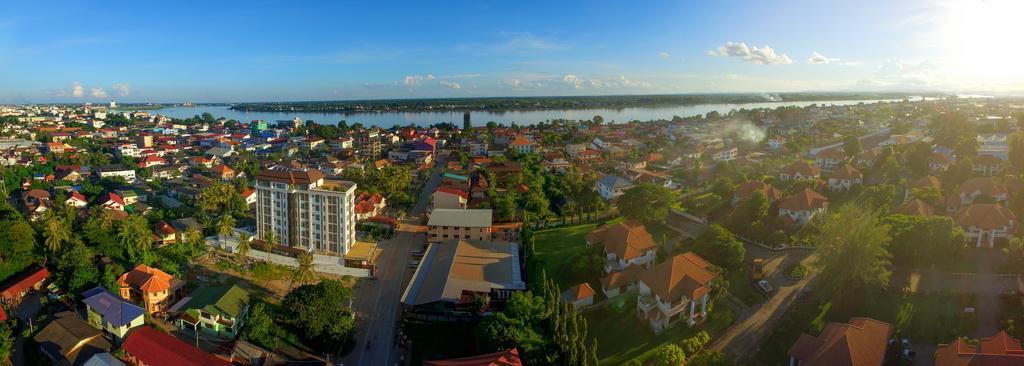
point(369, 205)
point(986, 223)
point(625, 244)
point(249, 195)
point(580, 296)
point(862, 342)
point(975, 188)
point(1000, 349)
point(676, 289)
point(915, 207)
point(152, 161)
point(844, 178)
point(986, 165)
point(830, 159)
point(223, 172)
point(800, 208)
point(153, 288)
point(928, 182)
point(747, 190)
point(799, 170)
point(164, 234)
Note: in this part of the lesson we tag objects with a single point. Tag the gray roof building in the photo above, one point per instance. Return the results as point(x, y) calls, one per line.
point(461, 218)
point(447, 269)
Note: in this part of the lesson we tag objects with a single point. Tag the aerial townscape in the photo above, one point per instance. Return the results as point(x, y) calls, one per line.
point(241, 191)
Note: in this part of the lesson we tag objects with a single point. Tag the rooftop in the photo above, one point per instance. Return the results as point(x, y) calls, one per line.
point(448, 268)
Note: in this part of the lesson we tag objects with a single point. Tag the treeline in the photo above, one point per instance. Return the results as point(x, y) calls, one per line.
point(544, 103)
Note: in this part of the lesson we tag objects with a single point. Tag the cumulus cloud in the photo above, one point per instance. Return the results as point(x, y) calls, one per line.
point(761, 56)
point(451, 84)
point(572, 80)
point(663, 55)
point(819, 59)
point(77, 90)
point(98, 93)
point(122, 89)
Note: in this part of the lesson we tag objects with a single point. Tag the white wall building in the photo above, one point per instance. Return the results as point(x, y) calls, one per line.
point(305, 210)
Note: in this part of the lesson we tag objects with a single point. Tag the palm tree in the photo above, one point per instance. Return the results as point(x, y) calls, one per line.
point(304, 272)
point(244, 246)
point(269, 242)
point(194, 241)
point(135, 235)
point(225, 226)
point(57, 232)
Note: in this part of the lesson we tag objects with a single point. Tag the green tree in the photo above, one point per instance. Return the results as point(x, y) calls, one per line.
point(75, 269)
point(6, 341)
point(269, 243)
point(244, 247)
point(135, 236)
point(56, 231)
point(1016, 153)
point(751, 211)
point(225, 226)
point(321, 313)
point(669, 355)
point(710, 358)
point(852, 253)
point(851, 146)
point(305, 271)
point(648, 203)
point(720, 247)
point(696, 343)
point(258, 325)
point(924, 240)
point(195, 243)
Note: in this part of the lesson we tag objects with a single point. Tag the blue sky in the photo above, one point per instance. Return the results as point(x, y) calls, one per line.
point(307, 50)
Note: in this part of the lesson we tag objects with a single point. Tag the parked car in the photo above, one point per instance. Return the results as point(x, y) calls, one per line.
point(765, 286)
point(416, 253)
point(414, 263)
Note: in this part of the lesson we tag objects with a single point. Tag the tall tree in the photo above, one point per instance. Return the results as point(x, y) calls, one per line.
point(304, 272)
point(648, 203)
point(852, 253)
point(244, 247)
point(135, 236)
point(851, 146)
point(56, 231)
point(720, 247)
point(225, 226)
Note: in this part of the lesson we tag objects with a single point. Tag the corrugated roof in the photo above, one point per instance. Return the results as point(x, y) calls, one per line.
point(448, 268)
point(461, 218)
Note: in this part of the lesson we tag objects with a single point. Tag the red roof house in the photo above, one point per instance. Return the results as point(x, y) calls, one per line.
point(502, 358)
point(15, 288)
point(150, 347)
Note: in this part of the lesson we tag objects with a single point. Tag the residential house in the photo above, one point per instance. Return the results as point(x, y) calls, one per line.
point(844, 178)
point(926, 183)
point(152, 161)
point(369, 205)
point(580, 296)
point(150, 347)
point(76, 200)
point(800, 170)
point(449, 198)
point(36, 203)
point(989, 188)
point(153, 288)
point(1000, 349)
point(612, 186)
point(725, 154)
point(15, 287)
point(800, 208)
point(111, 313)
point(112, 201)
point(164, 234)
point(116, 171)
point(987, 165)
point(915, 207)
point(447, 224)
point(746, 190)
point(830, 159)
point(69, 340)
point(675, 290)
point(862, 342)
point(984, 223)
point(939, 162)
point(501, 358)
point(223, 172)
point(625, 244)
point(214, 310)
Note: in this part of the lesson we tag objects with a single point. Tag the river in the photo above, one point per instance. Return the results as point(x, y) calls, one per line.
point(480, 118)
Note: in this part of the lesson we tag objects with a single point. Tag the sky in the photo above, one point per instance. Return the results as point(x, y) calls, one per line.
point(228, 51)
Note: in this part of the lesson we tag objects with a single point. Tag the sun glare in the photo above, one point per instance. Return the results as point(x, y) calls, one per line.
point(980, 39)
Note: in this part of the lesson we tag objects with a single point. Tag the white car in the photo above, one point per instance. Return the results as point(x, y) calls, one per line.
point(765, 286)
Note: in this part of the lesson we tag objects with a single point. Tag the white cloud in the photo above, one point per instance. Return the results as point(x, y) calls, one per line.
point(122, 89)
point(572, 80)
point(98, 93)
point(413, 80)
point(451, 84)
point(77, 90)
point(761, 56)
point(664, 55)
point(819, 59)
point(430, 77)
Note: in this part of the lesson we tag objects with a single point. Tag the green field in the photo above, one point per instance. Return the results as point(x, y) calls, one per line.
point(554, 251)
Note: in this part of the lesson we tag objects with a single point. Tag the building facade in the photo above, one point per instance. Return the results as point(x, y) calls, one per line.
point(305, 210)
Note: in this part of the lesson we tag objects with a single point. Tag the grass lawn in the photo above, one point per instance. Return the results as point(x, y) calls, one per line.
point(927, 319)
point(264, 271)
point(742, 287)
point(622, 336)
point(439, 340)
point(555, 249)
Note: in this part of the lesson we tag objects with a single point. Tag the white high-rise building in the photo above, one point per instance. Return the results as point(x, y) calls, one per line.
point(305, 210)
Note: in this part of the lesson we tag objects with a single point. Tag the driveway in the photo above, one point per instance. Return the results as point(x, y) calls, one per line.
point(742, 340)
point(377, 302)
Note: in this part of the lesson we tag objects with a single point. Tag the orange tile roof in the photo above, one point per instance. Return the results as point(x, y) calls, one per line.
point(915, 207)
point(686, 275)
point(147, 279)
point(927, 182)
point(582, 291)
point(1001, 349)
point(746, 190)
point(806, 199)
point(862, 342)
point(804, 168)
point(847, 172)
point(988, 186)
point(986, 216)
point(627, 240)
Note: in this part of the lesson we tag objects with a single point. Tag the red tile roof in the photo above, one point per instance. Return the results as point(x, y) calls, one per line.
point(1001, 349)
point(986, 216)
point(746, 190)
point(860, 343)
point(806, 199)
point(627, 240)
point(23, 282)
point(685, 275)
point(457, 192)
point(155, 348)
point(501, 358)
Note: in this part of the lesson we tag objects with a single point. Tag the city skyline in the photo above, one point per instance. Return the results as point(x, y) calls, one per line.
point(268, 51)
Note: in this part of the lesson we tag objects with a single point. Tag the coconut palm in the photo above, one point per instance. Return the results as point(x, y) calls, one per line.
point(57, 232)
point(244, 246)
point(269, 242)
point(304, 272)
point(225, 226)
point(194, 241)
point(134, 234)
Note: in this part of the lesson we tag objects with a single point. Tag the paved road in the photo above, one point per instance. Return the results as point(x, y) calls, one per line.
point(377, 302)
point(742, 340)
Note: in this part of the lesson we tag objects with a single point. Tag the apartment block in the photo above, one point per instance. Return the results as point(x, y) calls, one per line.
point(305, 210)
